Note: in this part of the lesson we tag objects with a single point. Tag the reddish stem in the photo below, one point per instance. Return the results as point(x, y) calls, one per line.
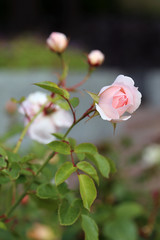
point(73, 112)
point(74, 165)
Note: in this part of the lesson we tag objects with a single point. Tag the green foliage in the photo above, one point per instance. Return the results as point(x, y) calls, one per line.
point(13, 157)
point(64, 172)
point(90, 228)
point(60, 147)
point(28, 158)
point(46, 191)
point(6, 235)
point(14, 171)
point(86, 148)
point(101, 162)
point(87, 190)
point(3, 226)
point(129, 210)
point(3, 152)
point(74, 101)
point(68, 212)
point(121, 229)
point(89, 169)
point(81, 156)
point(53, 87)
point(28, 52)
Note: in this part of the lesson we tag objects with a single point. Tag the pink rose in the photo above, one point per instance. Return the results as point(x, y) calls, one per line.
point(120, 97)
point(57, 42)
point(95, 58)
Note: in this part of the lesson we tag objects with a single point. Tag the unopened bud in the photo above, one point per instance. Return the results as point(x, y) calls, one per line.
point(57, 42)
point(95, 58)
point(10, 107)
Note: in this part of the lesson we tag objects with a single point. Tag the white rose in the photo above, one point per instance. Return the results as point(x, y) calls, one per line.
point(46, 123)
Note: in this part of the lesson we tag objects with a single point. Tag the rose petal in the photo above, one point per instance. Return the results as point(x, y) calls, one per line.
point(127, 81)
point(41, 130)
point(62, 118)
point(102, 114)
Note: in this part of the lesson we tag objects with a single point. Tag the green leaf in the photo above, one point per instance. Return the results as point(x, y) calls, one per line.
point(63, 189)
point(46, 191)
point(4, 179)
point(72, 142)
point(101, 162)
point(53, 87)
point(74, 101)
point(121, 229)
point(81, 156)
point(13, 157)
point(15, 171)
point(64, 172)
point(63, 104)
point(87, 190)
point(112, 165)
point(129, 210)
point(89, 169)
point(3, 226)
point(28, 158)
point(90, 228)
point(86, 148)
point(60, 147)
point(69, 213)
point(3, 155)
point(58, 135)
point(6, 235)
point(3, 163)
point(94, 96)
point(3, 152)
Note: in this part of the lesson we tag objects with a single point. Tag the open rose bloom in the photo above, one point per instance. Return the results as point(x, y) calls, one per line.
point(117, 99)
point(49, 121)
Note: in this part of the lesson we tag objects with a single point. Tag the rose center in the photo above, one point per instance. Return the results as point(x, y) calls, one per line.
point(120, 100)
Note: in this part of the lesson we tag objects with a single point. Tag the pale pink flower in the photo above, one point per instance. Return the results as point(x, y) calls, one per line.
point(57, 42)
point(49, 121)
point(95, 58)
point(120, 97)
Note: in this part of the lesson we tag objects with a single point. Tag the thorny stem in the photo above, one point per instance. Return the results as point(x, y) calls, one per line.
point(26, 129)
point(70, 89)
point(10, 211)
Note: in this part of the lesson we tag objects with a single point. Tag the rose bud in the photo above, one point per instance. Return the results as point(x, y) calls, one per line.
point(120, 97)
point(51, 120)
point(57, 42)
point(95, 58)
point(10, 107)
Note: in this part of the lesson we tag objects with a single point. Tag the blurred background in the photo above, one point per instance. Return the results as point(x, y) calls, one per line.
point(128, 33)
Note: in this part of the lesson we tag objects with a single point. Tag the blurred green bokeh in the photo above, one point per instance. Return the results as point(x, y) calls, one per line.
point(32, 52)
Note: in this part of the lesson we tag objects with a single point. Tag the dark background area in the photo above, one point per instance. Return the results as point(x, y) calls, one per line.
point(128, 32)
